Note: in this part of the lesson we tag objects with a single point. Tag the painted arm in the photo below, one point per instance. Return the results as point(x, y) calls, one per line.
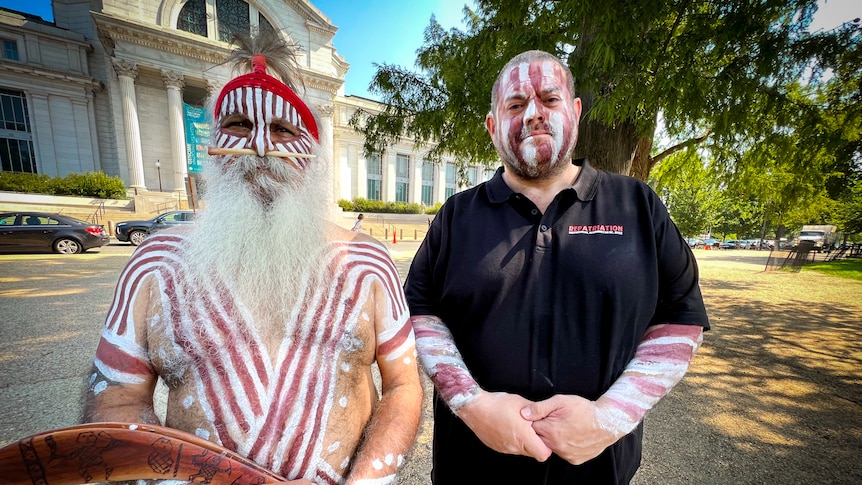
point(493, 416)
point(578, 429)
point(392, 429)
point(121, 384)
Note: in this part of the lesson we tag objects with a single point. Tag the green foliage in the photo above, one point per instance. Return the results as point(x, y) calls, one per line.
point(26, 182)
point(379, 206)
point(844, 268)
point(434, 209)
point(89, 184)
point(781, 105)
point(690, 195)
point(849, 213)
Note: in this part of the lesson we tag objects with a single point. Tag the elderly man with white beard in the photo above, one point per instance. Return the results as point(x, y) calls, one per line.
point(263, 320)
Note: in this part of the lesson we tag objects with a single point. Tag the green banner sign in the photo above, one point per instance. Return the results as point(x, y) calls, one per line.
point(197, 137)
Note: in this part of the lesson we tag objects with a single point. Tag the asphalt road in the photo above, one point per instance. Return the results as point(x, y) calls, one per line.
point(773, 397)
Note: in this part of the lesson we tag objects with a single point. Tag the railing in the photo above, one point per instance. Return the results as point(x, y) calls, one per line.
point(393, 230)
point(388, 228)
point(96, 216)
point(167, 206)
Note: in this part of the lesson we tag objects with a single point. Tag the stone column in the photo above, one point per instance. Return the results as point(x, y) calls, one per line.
point(387, 189)
point(415, 188)
point(94, 134)
point(361, 180)
point(174, 82)
point(324, 112)
point(126, 73)
point(440, 183)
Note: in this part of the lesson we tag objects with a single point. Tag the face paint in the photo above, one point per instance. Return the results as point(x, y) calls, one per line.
point(260, 113)
point(537, 123)
point(264, 122)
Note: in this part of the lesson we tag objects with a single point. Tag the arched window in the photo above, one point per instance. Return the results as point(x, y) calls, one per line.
point(193, 17)
point(227, 17)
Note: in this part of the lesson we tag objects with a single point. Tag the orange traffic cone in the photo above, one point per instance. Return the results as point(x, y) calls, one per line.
point(394, 238)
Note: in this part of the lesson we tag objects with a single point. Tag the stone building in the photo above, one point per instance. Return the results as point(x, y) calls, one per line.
point(120, 86)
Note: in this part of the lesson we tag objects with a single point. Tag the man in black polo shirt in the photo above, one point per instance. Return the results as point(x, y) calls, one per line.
point(553, 306)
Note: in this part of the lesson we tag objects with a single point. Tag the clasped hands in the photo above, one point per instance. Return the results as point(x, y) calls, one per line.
point(564, 424)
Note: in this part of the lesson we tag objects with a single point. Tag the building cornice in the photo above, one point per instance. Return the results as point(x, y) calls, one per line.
point(315, 21)
point(20, 69)
point(161, 39)
point(186, 45)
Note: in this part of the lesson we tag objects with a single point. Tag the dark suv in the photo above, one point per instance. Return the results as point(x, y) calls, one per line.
point(136, 231)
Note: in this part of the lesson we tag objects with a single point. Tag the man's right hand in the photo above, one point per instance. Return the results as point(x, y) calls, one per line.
point(496, 419)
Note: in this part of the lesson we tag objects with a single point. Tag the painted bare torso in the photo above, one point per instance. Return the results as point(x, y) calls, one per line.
point(294, 400)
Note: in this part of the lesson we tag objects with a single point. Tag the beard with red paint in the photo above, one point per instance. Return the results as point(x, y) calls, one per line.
point(261, 233)
point(535, 119)
point(538, 151)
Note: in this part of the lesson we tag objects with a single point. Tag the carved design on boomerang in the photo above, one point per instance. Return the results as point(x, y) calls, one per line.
point(122, 451)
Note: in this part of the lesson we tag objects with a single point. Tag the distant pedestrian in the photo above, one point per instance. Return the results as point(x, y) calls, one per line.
point(357, 226)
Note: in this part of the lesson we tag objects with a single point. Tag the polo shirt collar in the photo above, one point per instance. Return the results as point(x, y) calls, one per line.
point(585, 186)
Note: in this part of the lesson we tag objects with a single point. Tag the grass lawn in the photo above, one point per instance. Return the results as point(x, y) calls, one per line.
point(844, 268)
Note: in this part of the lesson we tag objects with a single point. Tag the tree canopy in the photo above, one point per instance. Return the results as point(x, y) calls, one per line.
point(745, 83)
point(724, 75)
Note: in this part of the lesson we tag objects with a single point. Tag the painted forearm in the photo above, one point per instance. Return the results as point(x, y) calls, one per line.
point(441, 360)
point(388, 437)
point(660, 362)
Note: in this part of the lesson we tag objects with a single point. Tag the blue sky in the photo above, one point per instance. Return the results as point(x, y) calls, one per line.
point(372, 31)
point(390, 31)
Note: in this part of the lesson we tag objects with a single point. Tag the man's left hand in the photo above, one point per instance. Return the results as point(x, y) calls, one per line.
point(568, 425)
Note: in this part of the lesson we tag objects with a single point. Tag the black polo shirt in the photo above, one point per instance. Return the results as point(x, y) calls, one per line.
point(553, 303)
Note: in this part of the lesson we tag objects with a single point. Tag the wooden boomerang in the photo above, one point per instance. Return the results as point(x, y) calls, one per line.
point(99, 452)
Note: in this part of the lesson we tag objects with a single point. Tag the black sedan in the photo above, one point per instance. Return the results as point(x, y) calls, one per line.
point(41, 231)
point(136, 231)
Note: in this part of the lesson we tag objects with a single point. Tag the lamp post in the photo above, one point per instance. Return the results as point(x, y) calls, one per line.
point(159, 171)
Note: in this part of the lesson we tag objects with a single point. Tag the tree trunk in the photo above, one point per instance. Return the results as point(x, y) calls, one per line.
point(642, 162)
point(608, 148)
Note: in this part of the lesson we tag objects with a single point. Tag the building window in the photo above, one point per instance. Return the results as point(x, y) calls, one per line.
point(402, 177)
point(231, 17)
point(450, 180)
point(375, 176)
point(472, 176)
point(16, 141)
point(427, 183)
point(193, 17)
point(262, 22)
point(10, 50)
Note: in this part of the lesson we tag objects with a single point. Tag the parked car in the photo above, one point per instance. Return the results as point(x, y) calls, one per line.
point(695, 242)
point(746, 244)
point(135, 232)
point(43, 231)
point(729, 244)
point(783, 244)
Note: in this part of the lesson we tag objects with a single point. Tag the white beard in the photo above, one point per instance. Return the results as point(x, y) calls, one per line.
point(260, 235)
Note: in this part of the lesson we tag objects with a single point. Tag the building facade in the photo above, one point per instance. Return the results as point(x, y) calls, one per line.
point(109, 86)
